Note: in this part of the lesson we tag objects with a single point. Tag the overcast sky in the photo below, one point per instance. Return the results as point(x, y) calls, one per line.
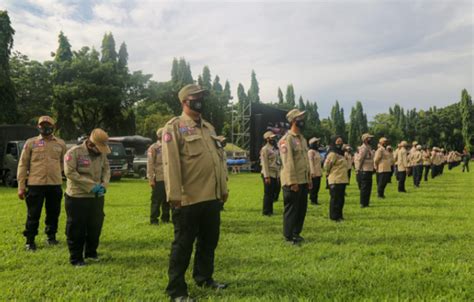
point(415, 53)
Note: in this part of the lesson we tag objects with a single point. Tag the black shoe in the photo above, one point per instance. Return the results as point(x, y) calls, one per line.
point(31, 246)
point(94, 258)
point(214, 285)
point(79, 263)
point(314, 203)
point(298, 238)
point(381, 197)
point(363, 206)
point(154, 222)
point(52, 241)
point(165, 221)
point(182, 299)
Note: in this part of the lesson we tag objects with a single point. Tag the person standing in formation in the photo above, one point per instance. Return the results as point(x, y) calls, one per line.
point(295, 177)
point(417, 165)
point(39, 178)
point(466, 157)
point(382, 162)
point(350, 161)
point(336, 169)
point(269, 160)
point(366, 170)
point(426, 154)
point(315, 169)
point(196, 187)
point(402, 165)
point(154, 169)
point(392, 163)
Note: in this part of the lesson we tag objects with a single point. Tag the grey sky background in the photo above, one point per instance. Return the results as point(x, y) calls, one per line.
point(414, 53)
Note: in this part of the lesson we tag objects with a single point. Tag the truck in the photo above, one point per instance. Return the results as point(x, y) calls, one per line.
point(135, 147)
point(12, 140)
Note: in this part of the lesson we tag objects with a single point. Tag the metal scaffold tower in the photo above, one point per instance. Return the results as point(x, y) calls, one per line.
point(241, 114)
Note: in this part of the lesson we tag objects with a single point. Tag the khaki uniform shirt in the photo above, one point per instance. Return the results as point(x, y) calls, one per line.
point(416, 158)
point(154, 166)
point(383, 160)
point(366, 163)
point(402, 160)
point(336, 169)
point(314, 163)
point(349, 160)
point(294, 156)
point(84, 170)
point(192, 162)
point(426, 158)
point(270, 161)
point(41, 162)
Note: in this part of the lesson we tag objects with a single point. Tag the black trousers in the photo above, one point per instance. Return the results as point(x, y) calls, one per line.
point(35, 197)
point(401, 176)
point(199, 221)
point(349, 172)
point(313, 193)
point(269, 192)
point(277, 190)
point(427, 171)
point(382, 181)
point(417, 174)
point(336, 204)
point(365, 187)
point(358, 178)
point(85, 217)
point(296, 205)
point(158, 200)
point(465, 166)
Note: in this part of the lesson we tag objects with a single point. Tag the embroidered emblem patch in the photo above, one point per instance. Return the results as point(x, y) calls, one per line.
point(167, 137)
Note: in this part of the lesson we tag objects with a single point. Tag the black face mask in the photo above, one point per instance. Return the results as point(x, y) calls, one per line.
point(339, 146)
point(45, 130)
point(300, 124)
point(272, 142)
point(196, 105)
point(314, 146)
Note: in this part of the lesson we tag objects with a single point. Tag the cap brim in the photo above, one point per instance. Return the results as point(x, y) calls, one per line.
point(301, 114)
point(103, 148)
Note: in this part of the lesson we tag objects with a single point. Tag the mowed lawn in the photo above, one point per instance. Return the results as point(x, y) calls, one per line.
point(416, 246)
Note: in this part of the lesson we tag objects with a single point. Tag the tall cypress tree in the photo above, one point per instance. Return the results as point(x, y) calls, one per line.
point(337, 120)
point(253, 93)
point(467, 118)
point(216, 85)
point(8, 113)
point(64, 52)
point(123, 56)
point(290, 95)
point(280, 96)
point(206, 78)
point(109, 54)
point(241, 95)
point(301, 105)
point(174, 71)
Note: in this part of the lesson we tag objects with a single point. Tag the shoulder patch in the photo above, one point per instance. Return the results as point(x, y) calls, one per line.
point(167, 137)
point(173, 120)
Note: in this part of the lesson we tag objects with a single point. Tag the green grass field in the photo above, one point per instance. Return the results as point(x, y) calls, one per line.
point(416, 246)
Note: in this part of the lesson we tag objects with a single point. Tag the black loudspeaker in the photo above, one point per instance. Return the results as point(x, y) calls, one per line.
point(256, 138)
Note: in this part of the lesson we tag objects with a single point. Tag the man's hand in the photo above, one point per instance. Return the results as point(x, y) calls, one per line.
point(224, 197)
point(21, 194)
point(152, 183)
point(175, 203)
point(267, 180)
point(295, 188)
point(310, 185)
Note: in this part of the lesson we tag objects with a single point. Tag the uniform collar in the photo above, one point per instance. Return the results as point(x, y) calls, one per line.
point(53, 138)
point(293, 133)
point(186, 118)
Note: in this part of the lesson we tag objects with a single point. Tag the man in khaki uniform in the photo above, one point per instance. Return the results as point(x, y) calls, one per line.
point(154, 171)
point(336, 170)
point(88, 174)
point(350, 160)
point(270, 162)
point(195, 187)
point(39, 180)
point(417, 165)
point(392, 163)
point(315, 169)
point(426, 161)
point(402, 165)
point(383, 166)
point(366, 169)
point(295, 177)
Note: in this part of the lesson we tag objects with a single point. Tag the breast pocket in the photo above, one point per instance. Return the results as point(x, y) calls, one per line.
point(193, 145)
point(38, 154)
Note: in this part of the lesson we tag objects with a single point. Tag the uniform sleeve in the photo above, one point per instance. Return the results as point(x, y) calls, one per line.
point(377, 157)
point(105, 172)
point(171, 164)
point(63, 153)
point(288, 161)
point(312, 163)
point(264, 160)
point(363, 155)
point(24, 166)
point(70, 170)
point(329, 162)
point(150, 164)
point(404, 159)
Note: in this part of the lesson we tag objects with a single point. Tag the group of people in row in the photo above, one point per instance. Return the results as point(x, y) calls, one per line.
point(188, 175)
point(297, 167)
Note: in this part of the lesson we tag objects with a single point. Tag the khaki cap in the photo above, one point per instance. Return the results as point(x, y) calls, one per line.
point(389, 147)
point(366, 136)
point(190, 89)
point(46, 119)
point(100, 138)
point(268, 134)
point(414, 143)
point(403, 143)
point(418, 147)
point(383, 139)
point(293, 114)
point(159, 132)
point(314, 140)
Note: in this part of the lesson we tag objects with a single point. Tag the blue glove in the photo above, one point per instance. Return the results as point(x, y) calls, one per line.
point(102, 191)
point(96, 189)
